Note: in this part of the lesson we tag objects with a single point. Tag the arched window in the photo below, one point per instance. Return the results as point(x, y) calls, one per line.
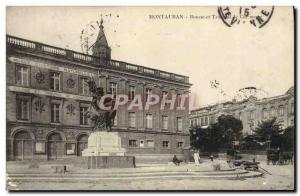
point(55, 146)
point(82, 142)
point(22, 146)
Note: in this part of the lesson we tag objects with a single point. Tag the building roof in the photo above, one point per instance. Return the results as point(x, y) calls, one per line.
point(290, 91)
point(251, 99)
point(32, 47)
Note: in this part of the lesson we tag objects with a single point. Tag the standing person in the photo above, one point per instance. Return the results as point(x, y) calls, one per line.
point(197, 157)
point(211, 157)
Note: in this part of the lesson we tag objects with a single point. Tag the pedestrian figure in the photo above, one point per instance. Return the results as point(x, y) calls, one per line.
point(196, 157)
point(211, 157)
point(175, 160)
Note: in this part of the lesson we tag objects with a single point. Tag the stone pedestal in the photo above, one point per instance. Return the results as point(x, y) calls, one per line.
point(103, 143)
point(99, 162)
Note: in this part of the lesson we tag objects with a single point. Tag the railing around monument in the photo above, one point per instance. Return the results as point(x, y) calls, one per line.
point(27, 45)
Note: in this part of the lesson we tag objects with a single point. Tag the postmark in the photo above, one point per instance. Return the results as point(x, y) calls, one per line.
point(256, 16)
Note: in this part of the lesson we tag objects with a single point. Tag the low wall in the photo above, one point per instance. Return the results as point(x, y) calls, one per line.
point(257, 157)
point(80, 161)
point(246, 157)
point(155, 158)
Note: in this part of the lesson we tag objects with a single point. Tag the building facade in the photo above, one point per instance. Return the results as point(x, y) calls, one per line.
point(47, 99)
point(250, 111)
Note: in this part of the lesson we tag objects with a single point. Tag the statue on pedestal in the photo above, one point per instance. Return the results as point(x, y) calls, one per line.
point(102, 141)
point(102, 119)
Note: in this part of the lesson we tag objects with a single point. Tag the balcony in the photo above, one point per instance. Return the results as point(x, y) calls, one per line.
point(60, 53)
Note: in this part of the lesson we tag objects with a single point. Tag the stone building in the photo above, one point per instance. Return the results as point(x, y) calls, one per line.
point(47, 98)
point(250, 111)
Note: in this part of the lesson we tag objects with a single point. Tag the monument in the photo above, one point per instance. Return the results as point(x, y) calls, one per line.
point(103, 143)
point(104, 146)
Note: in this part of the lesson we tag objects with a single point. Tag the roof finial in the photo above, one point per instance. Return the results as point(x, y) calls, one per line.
point(101, 23)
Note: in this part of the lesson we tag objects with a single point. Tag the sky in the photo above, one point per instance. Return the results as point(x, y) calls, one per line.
point(203, 49)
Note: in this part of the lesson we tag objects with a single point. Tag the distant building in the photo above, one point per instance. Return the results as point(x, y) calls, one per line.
point(47, 98)
point(250, 111)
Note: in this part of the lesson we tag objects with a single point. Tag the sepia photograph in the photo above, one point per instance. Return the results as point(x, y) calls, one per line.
point(150, 98)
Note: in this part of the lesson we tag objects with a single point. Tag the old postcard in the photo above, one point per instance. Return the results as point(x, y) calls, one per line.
point(150, 98)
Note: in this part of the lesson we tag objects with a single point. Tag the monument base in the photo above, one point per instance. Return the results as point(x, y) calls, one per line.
point(105, 151)
point(103, 143)
point(100, 162)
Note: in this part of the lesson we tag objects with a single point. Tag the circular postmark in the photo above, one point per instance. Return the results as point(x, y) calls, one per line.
point(256, 16)
point(88, 37)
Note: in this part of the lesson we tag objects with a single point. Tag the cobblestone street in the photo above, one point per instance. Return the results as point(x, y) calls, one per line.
point(281, 179)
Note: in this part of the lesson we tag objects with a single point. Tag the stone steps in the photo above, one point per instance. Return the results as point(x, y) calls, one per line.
point(127, 174)
point(79, 177)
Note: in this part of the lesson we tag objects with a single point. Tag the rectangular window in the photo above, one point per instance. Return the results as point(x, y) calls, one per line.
point(131, 93)
point(178, 99)
point(202, 123)
point(83, 116)
point(211, 120)
point(191, 123)
point(150, 143)
point(22, 75)
point(272, 112)
point(23, 109)
point(292, 108)
point(149, 121)
point(281, 110)
point(165, 122)
point(54, 81)
point(179, 144)
point(84, 87)
point(131, 119)
point(165, 144)
point(265, 113)
point(148, 93)
point(55, 112)
point(206, 121)
point(165, 94)
point(133, 143)
point(113, 89)
point(179, 124)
